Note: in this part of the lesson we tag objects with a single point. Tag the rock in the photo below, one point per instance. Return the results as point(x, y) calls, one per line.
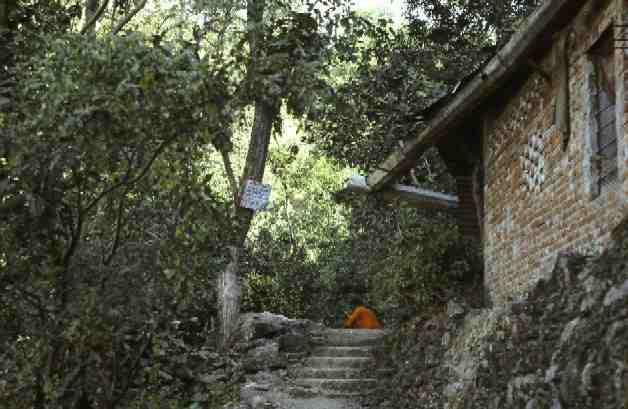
point(454, 309)
point(564, 347)
point(550, 374)
point(252, 396)
point(453, 389)
point(258, 402)
point(264, 325)
point(533, 404)
point(294, 343)
point(445, 339)
point(569, 330)
point(213, 378)
point(200, 397)
point(616, 294)
point(556, 404)
point(263, 357)
point(586, 379)
point(517, 385)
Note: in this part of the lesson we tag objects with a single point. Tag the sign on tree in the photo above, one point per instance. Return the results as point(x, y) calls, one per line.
point(255, 195)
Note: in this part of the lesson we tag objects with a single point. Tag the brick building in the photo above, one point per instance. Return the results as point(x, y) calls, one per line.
point(536, 142)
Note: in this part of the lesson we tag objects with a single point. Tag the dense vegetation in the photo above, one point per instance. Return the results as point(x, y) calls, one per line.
point(128, 128)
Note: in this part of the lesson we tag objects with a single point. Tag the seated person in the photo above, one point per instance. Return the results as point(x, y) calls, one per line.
point(363, 318)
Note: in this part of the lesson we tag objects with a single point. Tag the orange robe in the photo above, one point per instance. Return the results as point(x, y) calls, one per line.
point(362, 317)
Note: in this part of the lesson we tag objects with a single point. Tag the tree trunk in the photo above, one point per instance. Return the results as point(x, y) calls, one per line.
point(229, 297)
point(91, 7)
point(229, 281)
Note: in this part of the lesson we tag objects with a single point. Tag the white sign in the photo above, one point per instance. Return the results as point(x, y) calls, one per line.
point(255, 195)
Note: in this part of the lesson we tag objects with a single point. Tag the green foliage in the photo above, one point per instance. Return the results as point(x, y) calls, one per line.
point(379, 101)
point(461, 34)
point(72, 93)
point(420, 264)
point(293, 263)
point(104, 216)
point(274, 292)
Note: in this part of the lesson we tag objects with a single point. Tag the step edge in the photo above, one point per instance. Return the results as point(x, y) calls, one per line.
point(340, 380)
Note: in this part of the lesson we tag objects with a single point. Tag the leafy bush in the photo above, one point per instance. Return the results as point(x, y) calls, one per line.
point(420, 264)
point(104, 217)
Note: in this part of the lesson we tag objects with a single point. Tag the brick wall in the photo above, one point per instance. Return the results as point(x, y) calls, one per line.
point(538, 198)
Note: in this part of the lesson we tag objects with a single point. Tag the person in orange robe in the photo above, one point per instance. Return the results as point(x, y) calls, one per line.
point(362, 318)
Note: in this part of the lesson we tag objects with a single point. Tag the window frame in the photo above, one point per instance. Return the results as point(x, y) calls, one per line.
point(600, 178)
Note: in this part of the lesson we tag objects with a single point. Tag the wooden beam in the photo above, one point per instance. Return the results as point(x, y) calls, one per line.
point(408, 195)
point(495, 74)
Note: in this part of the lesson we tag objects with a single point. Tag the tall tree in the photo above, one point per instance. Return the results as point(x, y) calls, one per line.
point(289, 50)
point(265, 115)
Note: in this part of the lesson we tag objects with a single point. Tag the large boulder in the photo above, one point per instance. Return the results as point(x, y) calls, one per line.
point(266, 325)
point(267, 343)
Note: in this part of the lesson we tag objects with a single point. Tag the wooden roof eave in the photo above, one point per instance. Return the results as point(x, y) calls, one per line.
point(542, 24)
point(409, 195)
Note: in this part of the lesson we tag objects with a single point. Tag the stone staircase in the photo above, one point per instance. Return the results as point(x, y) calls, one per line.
point(337, 366)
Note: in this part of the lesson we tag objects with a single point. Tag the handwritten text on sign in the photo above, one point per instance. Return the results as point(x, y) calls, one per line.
point(255, 195)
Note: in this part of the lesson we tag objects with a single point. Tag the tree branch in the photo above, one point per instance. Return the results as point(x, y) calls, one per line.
point(128, 17)
point(116, 240)
point(95, 17)
point(143, 173)
point(235, 189)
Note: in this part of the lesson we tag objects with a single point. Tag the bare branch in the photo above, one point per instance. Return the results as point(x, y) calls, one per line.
point(129, 16)
point(95, 17)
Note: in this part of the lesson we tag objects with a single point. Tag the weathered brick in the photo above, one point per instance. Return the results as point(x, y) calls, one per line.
point(527, 223)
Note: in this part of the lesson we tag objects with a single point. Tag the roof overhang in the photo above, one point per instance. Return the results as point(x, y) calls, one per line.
point(396, 193)
point(535, 33)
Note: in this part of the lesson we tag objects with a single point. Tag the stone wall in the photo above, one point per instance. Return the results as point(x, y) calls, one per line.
point(538, 198)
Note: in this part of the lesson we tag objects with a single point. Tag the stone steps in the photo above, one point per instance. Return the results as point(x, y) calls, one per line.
point(352, 337)
point(308, 392)
point(342, 351)
point(338, 385)
point(326, 373)
point(336, 367)
point(337, 362)
point(331, 373)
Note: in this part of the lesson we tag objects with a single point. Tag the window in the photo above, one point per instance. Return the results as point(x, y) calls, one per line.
point(603, 112)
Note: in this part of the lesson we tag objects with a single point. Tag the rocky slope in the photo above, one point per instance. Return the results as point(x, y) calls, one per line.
point(564, 347)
